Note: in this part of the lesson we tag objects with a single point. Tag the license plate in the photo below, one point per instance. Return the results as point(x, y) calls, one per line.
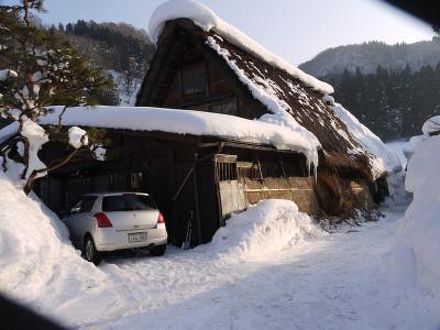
point(137, 237)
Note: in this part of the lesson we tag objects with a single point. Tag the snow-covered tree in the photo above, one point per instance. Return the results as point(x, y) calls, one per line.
point(37, 70)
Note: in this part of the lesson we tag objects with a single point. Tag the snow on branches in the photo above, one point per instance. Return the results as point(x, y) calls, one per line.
point(39, 69)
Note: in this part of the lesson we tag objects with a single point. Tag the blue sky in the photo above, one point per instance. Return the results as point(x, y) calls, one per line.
point(295, 29)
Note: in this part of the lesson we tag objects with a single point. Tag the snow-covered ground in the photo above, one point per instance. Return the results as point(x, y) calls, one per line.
point(269, 268)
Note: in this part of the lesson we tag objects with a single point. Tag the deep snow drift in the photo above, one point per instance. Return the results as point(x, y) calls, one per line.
point(414, 259)
point(38, 265)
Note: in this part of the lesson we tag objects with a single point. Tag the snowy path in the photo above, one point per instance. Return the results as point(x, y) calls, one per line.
point(335, 282)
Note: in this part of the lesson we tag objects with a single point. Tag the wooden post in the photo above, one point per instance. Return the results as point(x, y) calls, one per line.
point(196, 199)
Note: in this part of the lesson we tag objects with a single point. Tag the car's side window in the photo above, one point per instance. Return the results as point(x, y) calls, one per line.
point(87, 204)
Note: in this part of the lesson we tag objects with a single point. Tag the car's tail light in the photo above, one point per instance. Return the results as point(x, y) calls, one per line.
point(103, 220)
point(160, 218)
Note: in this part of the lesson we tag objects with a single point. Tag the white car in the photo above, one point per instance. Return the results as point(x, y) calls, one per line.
point(115, 221)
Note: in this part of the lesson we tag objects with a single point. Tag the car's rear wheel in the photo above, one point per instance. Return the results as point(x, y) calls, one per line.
point(89, 251)
point(158, 250)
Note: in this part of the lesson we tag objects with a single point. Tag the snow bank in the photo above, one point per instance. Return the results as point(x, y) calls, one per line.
point(414, 259)
point(187, 122)
point(270, 226)
point(37, 264)
point(386, 160)
point(206, 19)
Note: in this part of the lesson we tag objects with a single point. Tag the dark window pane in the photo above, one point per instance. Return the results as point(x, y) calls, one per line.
point(194, 79)
point(127, 202)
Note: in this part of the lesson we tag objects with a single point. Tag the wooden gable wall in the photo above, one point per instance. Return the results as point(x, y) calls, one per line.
point(186, 74)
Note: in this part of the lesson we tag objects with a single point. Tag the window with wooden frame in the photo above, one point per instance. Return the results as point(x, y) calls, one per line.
point(194, 79)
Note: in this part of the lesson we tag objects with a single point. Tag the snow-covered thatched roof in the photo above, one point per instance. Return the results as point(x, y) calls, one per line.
point(206, 19)
point(293, 99)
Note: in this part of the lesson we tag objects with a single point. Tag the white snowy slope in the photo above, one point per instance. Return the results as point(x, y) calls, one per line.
point(38, 265)
point(414, 258)
point(386, 160)
point(206, 19)
point(188, 122)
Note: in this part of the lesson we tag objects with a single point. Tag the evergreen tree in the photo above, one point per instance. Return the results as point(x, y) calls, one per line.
point(37, 70)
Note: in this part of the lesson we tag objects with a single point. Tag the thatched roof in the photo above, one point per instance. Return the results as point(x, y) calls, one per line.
point(291, 97)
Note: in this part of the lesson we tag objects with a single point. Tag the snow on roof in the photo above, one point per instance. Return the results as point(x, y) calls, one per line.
point(432, 125)
point(206, 19)
point(187, 122)
point(384, 160)
point(8, 131)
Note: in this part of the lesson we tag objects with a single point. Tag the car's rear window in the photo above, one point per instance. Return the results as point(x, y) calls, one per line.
point(127, 202)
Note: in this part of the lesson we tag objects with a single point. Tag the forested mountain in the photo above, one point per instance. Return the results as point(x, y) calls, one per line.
point(368, 56)
point(390, 89)
point(119, 48)
point(393, 104)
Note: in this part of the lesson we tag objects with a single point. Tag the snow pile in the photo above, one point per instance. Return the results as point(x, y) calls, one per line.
point(37, 264)
point(414, 259)
point(431, 126)
point(187, 122)
point(206, 19)
point(385, 160)
point(78, 137)
point(270, 226)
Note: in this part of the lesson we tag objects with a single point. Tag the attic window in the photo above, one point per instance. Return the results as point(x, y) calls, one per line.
point(194, 79)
